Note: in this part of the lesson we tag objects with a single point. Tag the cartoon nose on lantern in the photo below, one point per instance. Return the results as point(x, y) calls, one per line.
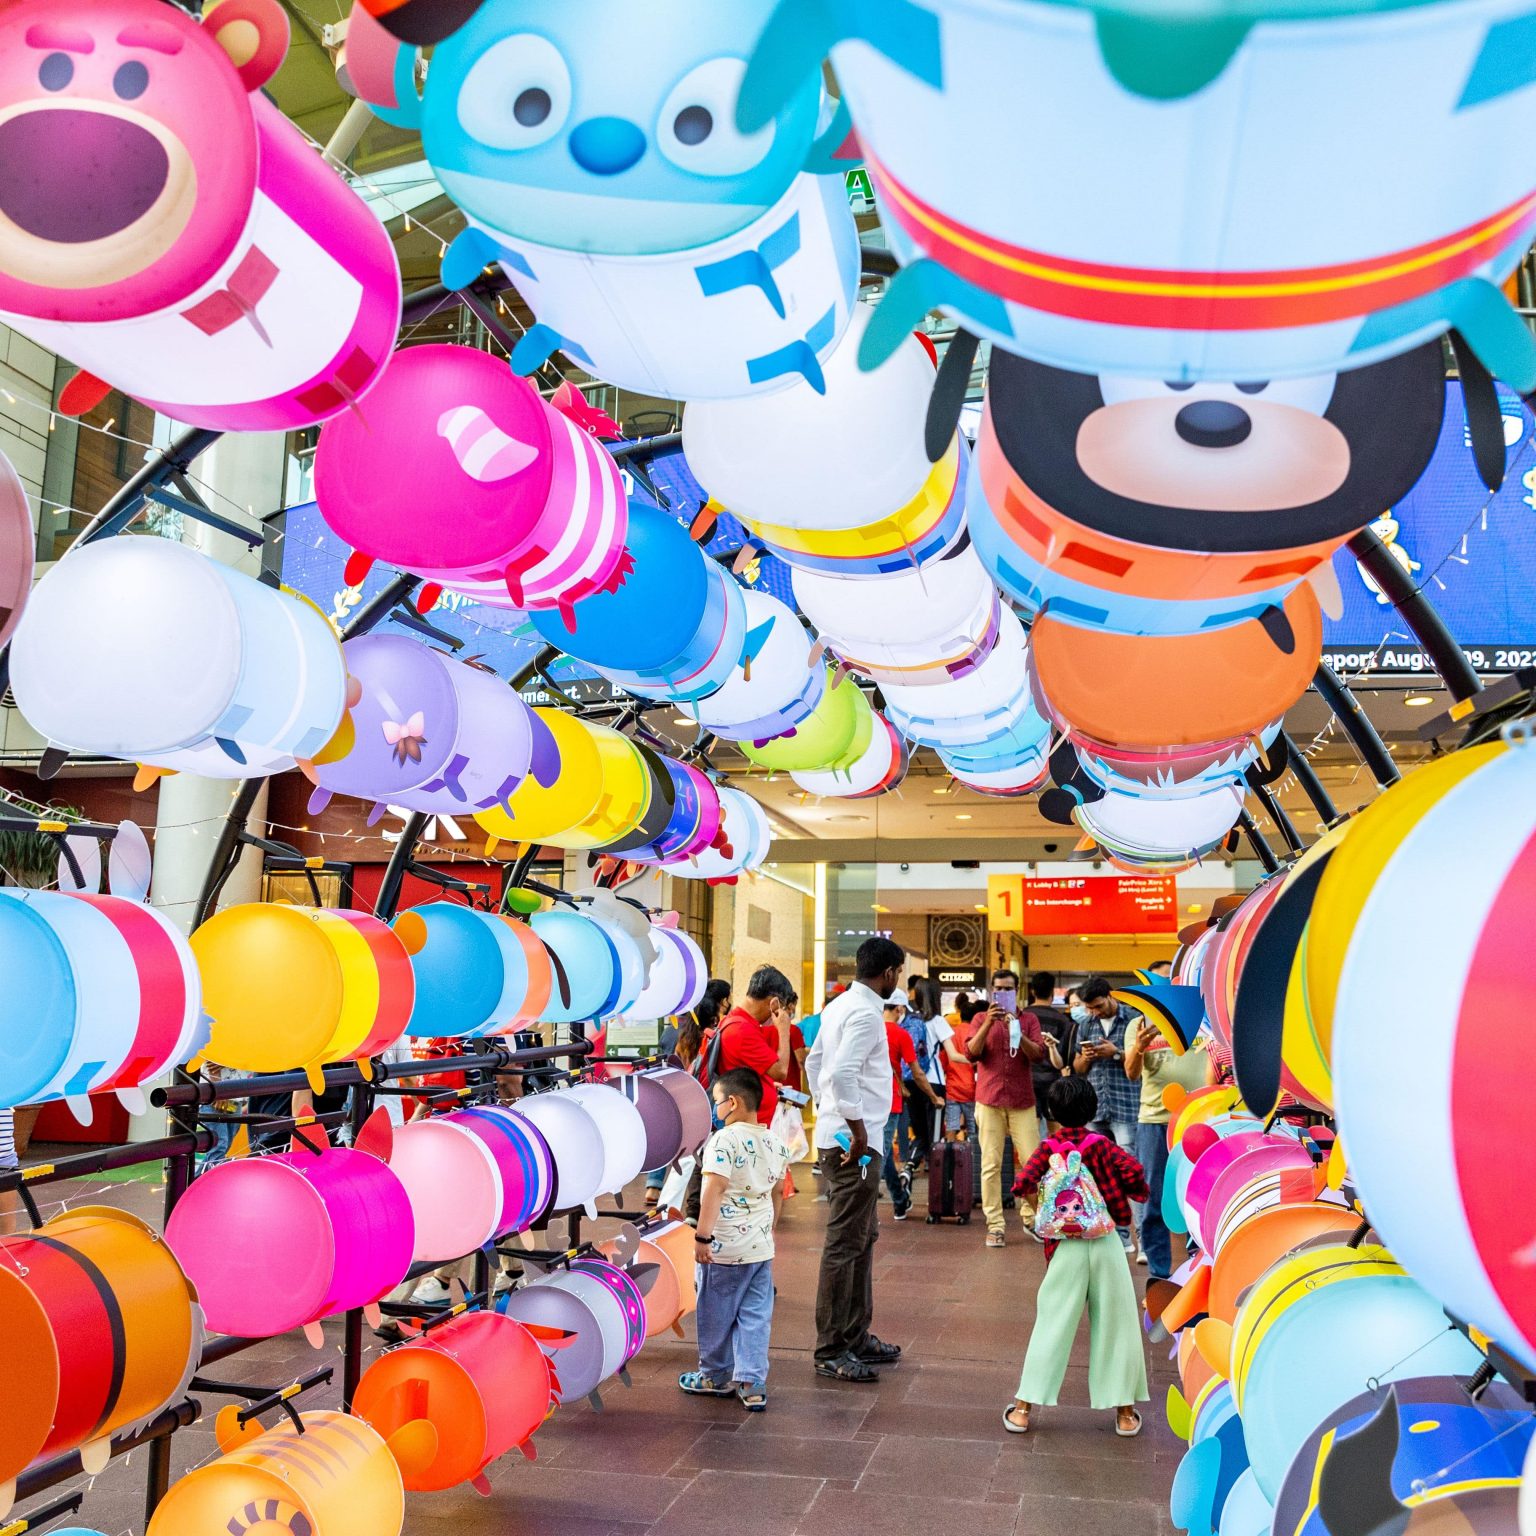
point(606, 145)
point(1213, 424)
point(117, 171)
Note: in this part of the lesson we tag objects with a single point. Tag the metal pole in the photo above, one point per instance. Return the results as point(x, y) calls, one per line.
point(1312, 786)
point(1418, 614)
point(1335, 693)
point(399, 861)
point(1261, 849)
point(1286, 827)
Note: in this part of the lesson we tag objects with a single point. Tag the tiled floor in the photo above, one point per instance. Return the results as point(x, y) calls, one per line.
point(923, 1451)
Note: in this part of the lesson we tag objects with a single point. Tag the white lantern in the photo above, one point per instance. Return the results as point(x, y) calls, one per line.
point(989, 700)
point(843, 459)
point(142, 649)
point(746, 829)
point(1146, 831)
point(915, 628)
point(774, 687)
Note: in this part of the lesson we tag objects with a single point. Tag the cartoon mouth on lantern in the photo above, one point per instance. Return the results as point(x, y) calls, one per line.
point(89, 196)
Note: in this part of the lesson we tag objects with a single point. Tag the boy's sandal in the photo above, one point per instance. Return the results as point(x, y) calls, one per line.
point(1127, 1423)
point(753, 1396)
point(697, 1384)
point(1011, 1424)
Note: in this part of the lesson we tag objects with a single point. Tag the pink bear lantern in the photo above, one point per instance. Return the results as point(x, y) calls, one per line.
point(165, 227)
point(462, 473)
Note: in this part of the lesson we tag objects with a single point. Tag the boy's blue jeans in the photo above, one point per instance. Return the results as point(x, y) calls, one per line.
point(735, 1314)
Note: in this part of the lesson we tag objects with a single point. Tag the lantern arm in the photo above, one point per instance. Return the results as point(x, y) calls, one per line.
point(1336, 694)
point(1276, 813)
point(49, 1512)
point(1312, 786)
point(190, 504)
point(265, 1399)
point(1256, 840)
point(950, 389)
point(1418, 613)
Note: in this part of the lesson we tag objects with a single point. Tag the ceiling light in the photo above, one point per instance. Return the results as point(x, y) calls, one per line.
point(1418, 700)
point(981, 906)
point(1194, 906)
point(681, 720)
point(962, 815)
point(875, 906)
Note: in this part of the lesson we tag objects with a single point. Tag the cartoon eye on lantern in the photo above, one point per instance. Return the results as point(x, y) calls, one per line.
point(165, 227)
point(598, 159)
point(1296, 247)
point(696, 129)
point(517, 95)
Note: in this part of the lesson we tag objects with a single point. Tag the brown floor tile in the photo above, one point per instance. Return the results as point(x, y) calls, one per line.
point(780, 1454)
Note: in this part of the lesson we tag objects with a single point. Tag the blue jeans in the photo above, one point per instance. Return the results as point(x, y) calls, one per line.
point(895, 1146)
point(735, 1313)
point(1152, 1150)
point(963, 1117)
point(1123, 1134)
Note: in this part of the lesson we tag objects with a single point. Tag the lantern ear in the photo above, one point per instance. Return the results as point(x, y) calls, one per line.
point(254, 33)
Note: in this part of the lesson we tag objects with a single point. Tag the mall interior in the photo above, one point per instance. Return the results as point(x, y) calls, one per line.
point(767, 767)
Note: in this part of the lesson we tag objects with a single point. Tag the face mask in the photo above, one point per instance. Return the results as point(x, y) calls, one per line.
point(1015, 1034)
point(1080, 1013)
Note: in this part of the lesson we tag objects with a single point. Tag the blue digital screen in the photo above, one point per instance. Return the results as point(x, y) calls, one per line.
point(1472, 553)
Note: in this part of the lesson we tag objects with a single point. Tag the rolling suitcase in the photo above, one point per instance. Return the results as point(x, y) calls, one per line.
point(951, 1181)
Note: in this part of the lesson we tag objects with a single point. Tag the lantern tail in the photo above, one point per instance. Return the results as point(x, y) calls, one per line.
point(83, 393)
point(538, 344)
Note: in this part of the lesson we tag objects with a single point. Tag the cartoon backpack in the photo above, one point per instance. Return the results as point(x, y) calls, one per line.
point(1070, 1205)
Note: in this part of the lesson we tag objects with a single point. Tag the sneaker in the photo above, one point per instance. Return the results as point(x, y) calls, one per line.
point(847, 1368)
point(1128, 1243)
point(1029, 1231)
point(903, 1209)
point(1141, 1255)
point(875, 1351)
point(431, 1292)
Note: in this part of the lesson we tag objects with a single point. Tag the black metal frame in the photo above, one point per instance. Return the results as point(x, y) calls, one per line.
point(189, 1102)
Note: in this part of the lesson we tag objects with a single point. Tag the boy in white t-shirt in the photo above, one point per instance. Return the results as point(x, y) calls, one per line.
point(743, 1166)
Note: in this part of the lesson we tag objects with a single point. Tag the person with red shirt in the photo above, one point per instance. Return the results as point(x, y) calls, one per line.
point(1085, 1271)
point(1005, 1044)
point(748, 1037)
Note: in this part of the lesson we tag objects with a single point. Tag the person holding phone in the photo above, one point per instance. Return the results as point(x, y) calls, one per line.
point(1005, 1044)
point(1153, 1063)
point(1100, 1057)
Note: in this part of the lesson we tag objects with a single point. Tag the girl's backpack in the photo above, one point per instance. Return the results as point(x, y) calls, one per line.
point(1069, 1203)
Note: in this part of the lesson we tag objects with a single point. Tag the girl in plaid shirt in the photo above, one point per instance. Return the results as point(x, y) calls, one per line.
point(1091, 1270)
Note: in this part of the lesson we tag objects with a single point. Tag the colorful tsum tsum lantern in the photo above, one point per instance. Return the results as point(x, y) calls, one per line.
point(596, 157)
point(1232, 190)
point(1151, 508)
point(165, 227)
point(145, 650)
point(430, 733)
point(541, 510)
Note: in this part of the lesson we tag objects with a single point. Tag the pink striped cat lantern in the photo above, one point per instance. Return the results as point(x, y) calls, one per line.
point(539, 511)
point(166, 228)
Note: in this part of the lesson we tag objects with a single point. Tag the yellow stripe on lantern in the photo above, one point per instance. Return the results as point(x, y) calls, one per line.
point(908, 526)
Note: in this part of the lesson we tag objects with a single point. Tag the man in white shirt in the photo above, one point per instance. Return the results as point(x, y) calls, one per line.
point(849, 1073)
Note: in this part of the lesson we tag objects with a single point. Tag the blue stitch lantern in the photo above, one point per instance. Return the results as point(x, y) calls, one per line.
point(596, 155)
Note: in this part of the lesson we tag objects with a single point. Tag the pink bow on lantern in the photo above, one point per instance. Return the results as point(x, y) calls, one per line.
point(407, 739)
point(573, 405)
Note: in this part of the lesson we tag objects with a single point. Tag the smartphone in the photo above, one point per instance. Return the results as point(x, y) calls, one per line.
point(794, 1096)
point(1007, 1001)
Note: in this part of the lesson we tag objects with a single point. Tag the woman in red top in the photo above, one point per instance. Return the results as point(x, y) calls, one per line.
point(1094, 1271)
